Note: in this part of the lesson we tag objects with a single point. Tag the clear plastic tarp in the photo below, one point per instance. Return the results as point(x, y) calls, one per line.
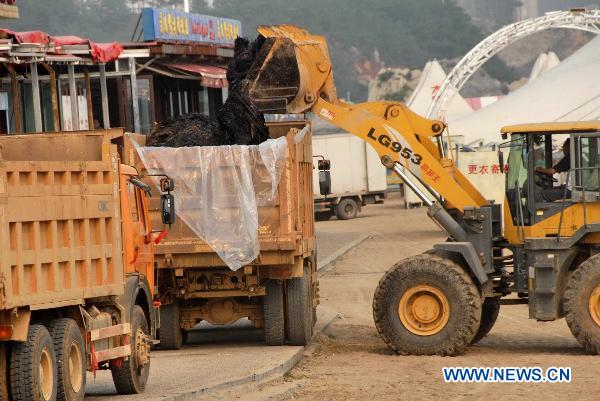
point(218, 190)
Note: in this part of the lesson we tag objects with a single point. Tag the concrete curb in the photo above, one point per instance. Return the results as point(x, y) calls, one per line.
point(324, 264)
point(278, 370)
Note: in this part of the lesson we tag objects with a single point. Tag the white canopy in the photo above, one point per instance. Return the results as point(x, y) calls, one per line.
point(431, 79)
point(543, 63)
point(569, 91)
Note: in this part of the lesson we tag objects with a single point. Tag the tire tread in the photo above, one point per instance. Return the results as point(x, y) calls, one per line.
point(454, 274)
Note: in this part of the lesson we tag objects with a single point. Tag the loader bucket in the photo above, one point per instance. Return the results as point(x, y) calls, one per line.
point(291, 69)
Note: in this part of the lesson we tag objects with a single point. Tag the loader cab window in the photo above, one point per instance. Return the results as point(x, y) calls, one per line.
point(536, 174)
point(586, 163)
point(516, 176)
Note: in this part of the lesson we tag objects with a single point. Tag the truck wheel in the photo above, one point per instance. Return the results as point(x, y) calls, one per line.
point(582, 304)
point(4, 376)
point(489, 314)
point(132, 376)
point(33, 373)
point(70, 359)
point(323, 216)
point(427, 305)
point(171, 334)
point(347, 209)
point(273, 313)
point(298, 308)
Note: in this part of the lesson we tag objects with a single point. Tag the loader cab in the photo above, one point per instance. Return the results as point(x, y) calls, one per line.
point(549, 169)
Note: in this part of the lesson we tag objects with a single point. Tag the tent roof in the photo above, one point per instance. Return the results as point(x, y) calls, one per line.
point(568, 92)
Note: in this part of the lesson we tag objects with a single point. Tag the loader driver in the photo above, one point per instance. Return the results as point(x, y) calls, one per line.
point(564, 165)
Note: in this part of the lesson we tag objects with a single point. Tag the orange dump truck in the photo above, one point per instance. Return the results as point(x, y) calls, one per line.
point(76, 266)
point(278, 291)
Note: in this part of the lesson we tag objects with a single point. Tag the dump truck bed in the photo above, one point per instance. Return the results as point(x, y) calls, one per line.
point(286, 229)
point(60, 224)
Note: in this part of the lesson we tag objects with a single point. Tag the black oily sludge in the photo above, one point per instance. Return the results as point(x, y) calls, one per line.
point(238, 121)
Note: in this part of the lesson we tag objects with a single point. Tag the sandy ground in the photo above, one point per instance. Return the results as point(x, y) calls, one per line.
point(352, 362)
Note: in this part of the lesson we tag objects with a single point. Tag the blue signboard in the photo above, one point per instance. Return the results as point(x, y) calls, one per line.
point(172, 25)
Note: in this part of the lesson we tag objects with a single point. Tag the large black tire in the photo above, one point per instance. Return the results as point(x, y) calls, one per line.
point(69, 348)
point(131, 378)
point(4, 376)
point(323, 216)
point(446, 301)
point(298, 309)
point(274, 314)
point(582, 304)
point(170, 334)
point(489, 314)
point(347, 209)
point(33, 373)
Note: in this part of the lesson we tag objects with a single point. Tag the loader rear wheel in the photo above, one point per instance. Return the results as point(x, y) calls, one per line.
point(427, 305)
point(298, 309)
point(489, 314)
point(171, 334)
point(132, 375)
point(582, 304)
point(274, 314)
point(70, 359)
point(33, 367)
point(347, 209)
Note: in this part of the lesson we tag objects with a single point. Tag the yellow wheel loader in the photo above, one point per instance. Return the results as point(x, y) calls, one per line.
point(540, 248)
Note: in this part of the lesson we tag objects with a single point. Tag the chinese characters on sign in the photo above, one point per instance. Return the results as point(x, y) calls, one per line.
point(486, 169)
point(163, 24)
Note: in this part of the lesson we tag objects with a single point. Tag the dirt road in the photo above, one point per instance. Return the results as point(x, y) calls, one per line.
point(353, 363)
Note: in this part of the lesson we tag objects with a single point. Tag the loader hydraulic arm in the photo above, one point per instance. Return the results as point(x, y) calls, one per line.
point(292, 73)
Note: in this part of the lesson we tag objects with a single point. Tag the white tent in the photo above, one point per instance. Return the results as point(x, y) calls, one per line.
point(431, 79)
point(543, 63)
point(569, 91)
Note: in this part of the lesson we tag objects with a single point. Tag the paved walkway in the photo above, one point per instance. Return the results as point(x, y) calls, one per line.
point(215, 358)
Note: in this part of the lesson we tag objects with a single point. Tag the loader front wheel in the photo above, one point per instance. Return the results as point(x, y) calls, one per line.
point(489, 314)
point(582, 304)
point(427, 305)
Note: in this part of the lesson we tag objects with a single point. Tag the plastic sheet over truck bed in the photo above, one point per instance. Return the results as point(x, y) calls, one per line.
point(219, 190)
point(285, 221)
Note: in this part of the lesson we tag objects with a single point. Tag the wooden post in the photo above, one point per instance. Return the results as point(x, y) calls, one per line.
point(137, 126)
point(74, 100)
point(104, 95)
point(88, 92)
point(35, 95)
point(16, 97)
point(54, 95)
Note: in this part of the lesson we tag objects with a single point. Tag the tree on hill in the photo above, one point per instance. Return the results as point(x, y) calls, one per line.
point(400, 32)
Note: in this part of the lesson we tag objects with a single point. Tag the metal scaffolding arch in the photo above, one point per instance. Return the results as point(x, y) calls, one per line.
point(580, 19)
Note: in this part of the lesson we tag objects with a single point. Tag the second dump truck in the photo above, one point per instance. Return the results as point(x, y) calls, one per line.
point(277, 292)
point(76, 267)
